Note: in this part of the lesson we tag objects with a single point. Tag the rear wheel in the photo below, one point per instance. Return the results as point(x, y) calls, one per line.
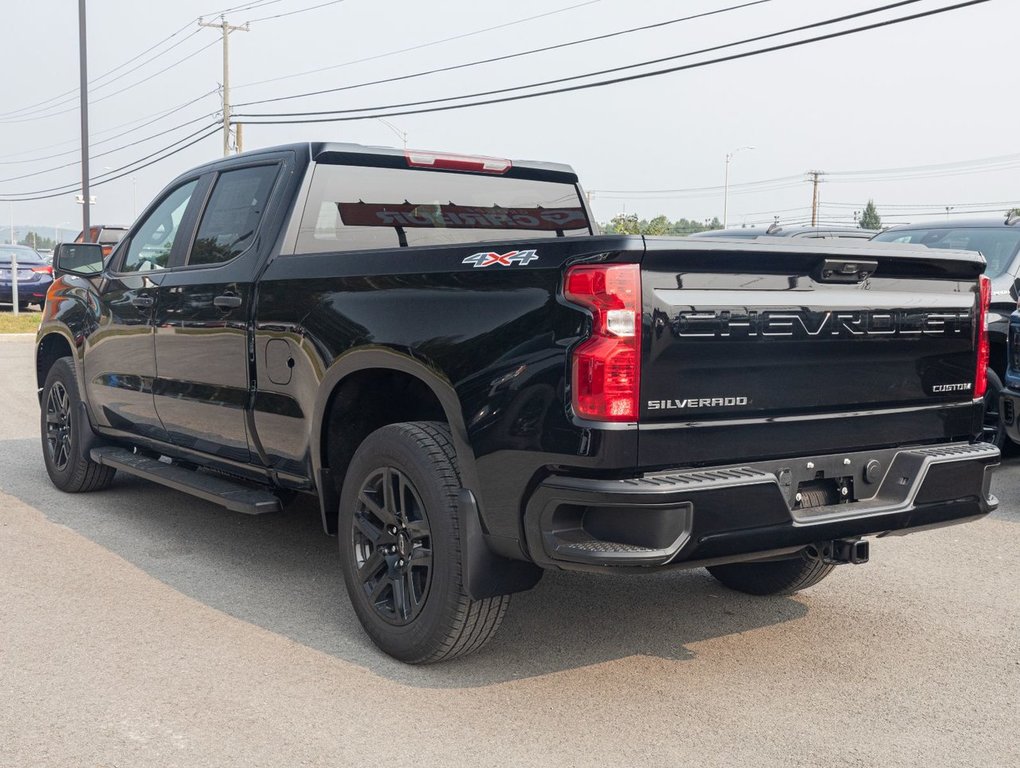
point(400, 547)
point(62, 432)
point(774, 577)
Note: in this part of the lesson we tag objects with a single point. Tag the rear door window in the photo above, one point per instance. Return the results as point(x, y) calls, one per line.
point(233, 215)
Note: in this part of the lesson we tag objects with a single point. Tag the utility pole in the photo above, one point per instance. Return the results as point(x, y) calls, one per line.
point(84, 109)
point(225, 29)
point(815, 178)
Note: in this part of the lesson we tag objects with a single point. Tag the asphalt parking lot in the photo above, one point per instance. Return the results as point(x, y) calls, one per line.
point(139, 626)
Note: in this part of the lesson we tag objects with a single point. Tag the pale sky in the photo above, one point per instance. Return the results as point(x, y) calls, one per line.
point(891, 102)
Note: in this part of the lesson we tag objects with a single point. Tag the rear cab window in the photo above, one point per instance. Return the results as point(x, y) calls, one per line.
point(351, 207)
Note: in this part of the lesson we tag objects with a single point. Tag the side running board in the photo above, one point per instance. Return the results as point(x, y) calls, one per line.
point(233, 495)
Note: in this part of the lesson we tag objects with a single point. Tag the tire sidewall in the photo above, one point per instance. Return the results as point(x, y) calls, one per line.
point(61, 371)
point(391, 446)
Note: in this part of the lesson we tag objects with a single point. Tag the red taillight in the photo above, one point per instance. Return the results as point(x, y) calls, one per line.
point(447, 162)
point(606, 369)
point(47, 269)
point(984, 300)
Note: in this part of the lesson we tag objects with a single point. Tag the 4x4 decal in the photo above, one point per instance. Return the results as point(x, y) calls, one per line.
point(488, 258)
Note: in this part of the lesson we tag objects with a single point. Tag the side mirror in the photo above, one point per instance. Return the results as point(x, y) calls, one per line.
point(82, 259)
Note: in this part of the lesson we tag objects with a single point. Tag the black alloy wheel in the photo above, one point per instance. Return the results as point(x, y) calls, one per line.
point(66, 432)
point(401, 549)
point(59, 426)
point(392, 546)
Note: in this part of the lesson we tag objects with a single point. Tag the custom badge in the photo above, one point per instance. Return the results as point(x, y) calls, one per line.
point(508, 259)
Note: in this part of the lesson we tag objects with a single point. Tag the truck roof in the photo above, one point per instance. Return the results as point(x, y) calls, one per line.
point(348, 153)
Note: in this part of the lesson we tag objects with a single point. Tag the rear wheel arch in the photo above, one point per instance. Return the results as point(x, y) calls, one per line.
point(369, 389)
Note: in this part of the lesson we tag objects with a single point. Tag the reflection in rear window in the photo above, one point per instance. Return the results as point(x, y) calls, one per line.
point(997, 244)
point(355, 208)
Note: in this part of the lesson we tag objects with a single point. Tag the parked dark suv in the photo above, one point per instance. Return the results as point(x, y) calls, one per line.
point(777, 230)
point(998, 240)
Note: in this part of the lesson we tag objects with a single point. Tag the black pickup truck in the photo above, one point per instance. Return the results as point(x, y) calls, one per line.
point(478, 386)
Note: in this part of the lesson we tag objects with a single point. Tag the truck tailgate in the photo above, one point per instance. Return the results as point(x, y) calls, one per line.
point(807, 341)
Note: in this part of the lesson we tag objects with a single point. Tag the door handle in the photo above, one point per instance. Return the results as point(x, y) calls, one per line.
point(142, 302)
point(227, 301)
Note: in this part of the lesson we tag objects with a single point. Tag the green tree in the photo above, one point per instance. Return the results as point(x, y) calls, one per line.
point(660, 225)
point(870, 218)
point(624, 224)
point(34, 240)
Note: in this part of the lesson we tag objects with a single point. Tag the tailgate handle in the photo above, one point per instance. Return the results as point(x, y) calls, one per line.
point(846, 270)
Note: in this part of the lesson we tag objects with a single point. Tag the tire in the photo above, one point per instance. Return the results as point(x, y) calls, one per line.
point(400, 547)
point(993, 430)
point(62, 431)
point(774, 577)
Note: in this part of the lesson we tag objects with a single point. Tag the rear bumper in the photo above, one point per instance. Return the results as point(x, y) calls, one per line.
point(31, 292)
point(727, 514)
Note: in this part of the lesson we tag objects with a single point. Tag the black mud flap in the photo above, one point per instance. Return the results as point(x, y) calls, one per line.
point(485, 573)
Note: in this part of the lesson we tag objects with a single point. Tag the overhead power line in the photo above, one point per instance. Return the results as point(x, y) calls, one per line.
point(61, 99)
point(396, 110)
point(151, 118)
point(509, 56)
point(115, 93)
point(47, 104)
point(420, 46)
point(107, 152)
point(292, 13)
point(388, 110)
point(924, 206)
point(117, 173)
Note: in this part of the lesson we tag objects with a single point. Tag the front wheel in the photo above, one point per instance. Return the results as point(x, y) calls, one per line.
point(400, 547)
point(62, 432)
point(773, 577)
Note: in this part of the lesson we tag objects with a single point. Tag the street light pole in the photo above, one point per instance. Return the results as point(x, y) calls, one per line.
point(726, 185)
point(401, 134)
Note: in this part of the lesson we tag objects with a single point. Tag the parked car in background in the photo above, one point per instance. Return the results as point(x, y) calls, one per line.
point(998, 240)
point(34, 275)
point(107, 235)
point(800, 230)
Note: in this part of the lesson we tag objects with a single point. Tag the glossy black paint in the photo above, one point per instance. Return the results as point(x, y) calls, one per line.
point(273, 365)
